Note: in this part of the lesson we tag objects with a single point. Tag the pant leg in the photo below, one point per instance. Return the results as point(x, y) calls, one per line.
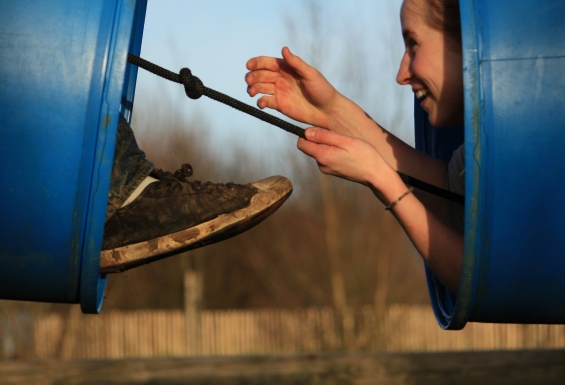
point(130, 167)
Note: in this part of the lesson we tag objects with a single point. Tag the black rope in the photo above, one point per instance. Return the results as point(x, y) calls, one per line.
point(194, 89)
point(430, 188)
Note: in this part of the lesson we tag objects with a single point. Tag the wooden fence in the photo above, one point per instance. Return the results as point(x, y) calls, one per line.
point(243, 332)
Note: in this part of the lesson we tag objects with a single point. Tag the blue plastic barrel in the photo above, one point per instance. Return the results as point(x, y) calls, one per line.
point(514, 75)
point(63, 81)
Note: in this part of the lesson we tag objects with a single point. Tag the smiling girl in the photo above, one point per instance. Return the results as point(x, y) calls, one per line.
point(347, 143)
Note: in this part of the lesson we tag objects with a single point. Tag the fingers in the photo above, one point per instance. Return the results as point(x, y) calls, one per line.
point(309, 148)
point(267, 102)
point(264, 63)
point(251, 64)
point(324, 155)
point(261, 88)
point(275, 64)
point(340, 155)
point(260, 76)
point(319, 142)
point(261, 82)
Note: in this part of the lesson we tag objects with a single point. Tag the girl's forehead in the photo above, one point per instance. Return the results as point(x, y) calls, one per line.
point(413, 15)
point(413, 9)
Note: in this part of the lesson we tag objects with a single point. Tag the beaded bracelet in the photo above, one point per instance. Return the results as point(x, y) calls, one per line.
point(410, 189)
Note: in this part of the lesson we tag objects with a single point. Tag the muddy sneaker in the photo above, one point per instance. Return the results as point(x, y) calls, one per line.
point(175, 215)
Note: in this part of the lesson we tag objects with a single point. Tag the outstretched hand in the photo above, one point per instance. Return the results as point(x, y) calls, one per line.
point(292, 87)
point(346, 157)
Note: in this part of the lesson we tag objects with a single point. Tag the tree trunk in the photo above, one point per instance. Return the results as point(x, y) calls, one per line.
point(332, 238)
point(386, 244)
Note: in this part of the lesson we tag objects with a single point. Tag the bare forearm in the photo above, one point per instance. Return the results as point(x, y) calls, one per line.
point(439, 245)
point(358, 161)
point(422, 216)
point(348, 118)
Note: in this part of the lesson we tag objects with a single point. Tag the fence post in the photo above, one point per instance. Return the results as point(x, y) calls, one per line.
point(192, 303)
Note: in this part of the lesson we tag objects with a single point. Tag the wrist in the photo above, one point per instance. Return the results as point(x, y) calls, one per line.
point(395, 202)
point(387, 185)
point(348, 118)
point(342, 113)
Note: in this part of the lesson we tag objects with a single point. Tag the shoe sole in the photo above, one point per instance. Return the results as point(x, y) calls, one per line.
point(273, 192)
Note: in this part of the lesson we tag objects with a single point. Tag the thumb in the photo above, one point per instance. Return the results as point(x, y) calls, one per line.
point(300, 66)
point(323, 136)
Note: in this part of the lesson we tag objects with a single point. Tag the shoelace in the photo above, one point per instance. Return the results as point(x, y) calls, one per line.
point(168, 180)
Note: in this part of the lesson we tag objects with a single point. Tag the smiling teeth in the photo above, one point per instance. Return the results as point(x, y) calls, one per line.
point(421, 93)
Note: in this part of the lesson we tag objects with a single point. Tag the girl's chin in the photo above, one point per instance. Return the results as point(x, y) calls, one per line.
point(425, 104)
point(441, 117)
point(426, 107)
point(436, 119)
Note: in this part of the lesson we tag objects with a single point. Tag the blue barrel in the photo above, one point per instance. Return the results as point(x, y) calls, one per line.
point(514, 75)
point(63, 81)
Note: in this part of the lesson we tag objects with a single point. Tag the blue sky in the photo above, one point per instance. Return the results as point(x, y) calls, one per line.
point(215, 38)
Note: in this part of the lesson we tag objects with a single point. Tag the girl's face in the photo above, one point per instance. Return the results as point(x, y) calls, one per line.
point(432, 65)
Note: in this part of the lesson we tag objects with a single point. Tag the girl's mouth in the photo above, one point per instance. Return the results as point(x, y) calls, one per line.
point(421, 94)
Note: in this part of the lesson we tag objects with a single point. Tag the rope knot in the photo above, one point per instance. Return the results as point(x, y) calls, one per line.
point(193, 87)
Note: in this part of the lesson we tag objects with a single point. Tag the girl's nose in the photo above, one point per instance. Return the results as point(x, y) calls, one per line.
point(404, 75)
